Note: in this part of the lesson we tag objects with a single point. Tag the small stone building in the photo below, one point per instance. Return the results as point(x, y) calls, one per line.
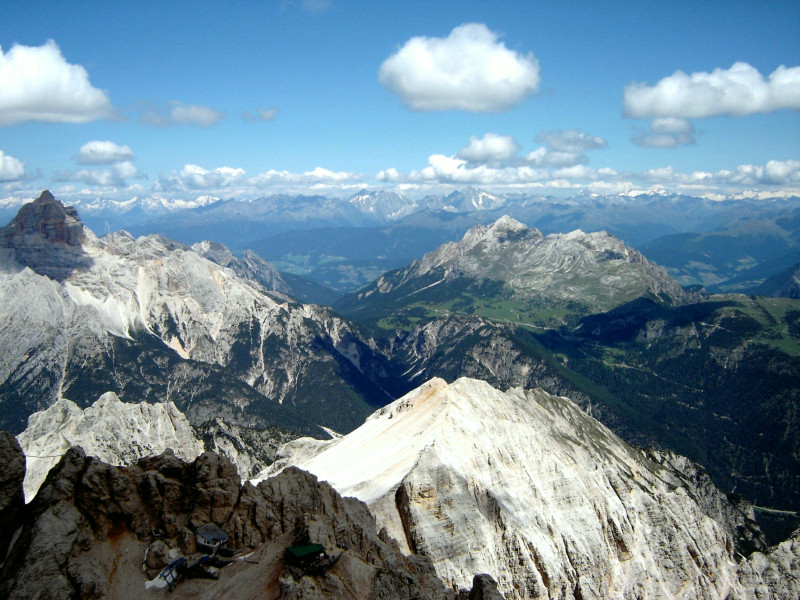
point(210, 538)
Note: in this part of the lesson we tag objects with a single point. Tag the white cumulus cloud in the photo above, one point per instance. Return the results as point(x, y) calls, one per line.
point(177, 113)
point(738, 91)
point(100, 152)
point(235, 181)
point(491, 147)
point(11, 168)
point(319, 176)
point(468, 70)
point(564, 148)
point(196, 177)
point(493, 160)
point(38, 84)
point(116, 175)
point(773, 174)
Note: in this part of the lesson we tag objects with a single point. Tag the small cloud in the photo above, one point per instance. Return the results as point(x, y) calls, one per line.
point(490, 148)
point(103, 153)
point(666, 132)
point(775, 172)
point(177, 113)
point(671, 125)
point(493, 160)
point(196, 177)
point(738, 91)
point(38, 84)
point(317, 176)
point(564, 148)
point(545, 157)
point(468, 70)
point(391, 175)
point(663, 140)
point(113, 176)
point(573, 140)
point(263, 114)
point(11, 169)
point(772, 174)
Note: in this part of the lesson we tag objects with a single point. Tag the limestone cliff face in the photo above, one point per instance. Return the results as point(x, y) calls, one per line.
point(82, 315)
point(250, 266)
point(98, 531)
point(524, 486)
point(773, 574)
point(116, 432)
point(39, 226)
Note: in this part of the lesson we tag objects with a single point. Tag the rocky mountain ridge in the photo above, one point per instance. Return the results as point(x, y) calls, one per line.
point(116, 432)
point(250, 266)
point(96, 531)
point(151, 319)
point(507, 261)
point(120, 433)
point(525, 486)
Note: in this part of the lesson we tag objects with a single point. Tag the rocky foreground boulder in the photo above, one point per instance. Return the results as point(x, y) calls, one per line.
point(99, 531)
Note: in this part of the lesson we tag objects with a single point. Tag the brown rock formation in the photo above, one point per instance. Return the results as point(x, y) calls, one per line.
point(93, 528)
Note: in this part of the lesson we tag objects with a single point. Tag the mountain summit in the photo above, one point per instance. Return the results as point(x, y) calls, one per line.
point(510, 272)
point(48, 218)
point(525, 486)
point(38, 227)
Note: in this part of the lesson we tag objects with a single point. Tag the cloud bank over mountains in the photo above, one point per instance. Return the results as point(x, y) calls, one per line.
point(471, 70)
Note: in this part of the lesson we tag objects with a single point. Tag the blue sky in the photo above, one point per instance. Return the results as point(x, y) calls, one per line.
point(244, 99)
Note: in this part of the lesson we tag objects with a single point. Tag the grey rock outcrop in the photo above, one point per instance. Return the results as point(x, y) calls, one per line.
point(484, 587)
point(772, 574)
point(116, 432)
point(735, 515)
point(250, 266)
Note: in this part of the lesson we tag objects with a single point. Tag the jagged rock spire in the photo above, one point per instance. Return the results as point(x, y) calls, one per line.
point(47, 217)
point(47, 237)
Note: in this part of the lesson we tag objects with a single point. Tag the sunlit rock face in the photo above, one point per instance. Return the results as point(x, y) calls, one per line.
point(116, 432)
point(596, 270)
point(154, 320)
point(524, 486)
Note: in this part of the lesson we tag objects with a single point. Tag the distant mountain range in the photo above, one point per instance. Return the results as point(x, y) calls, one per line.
point(342, 244)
